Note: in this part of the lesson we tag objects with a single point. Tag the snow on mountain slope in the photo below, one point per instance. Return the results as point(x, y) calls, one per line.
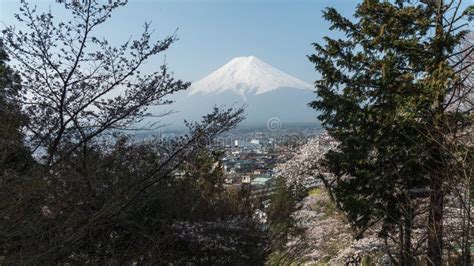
point(246, 75)
point(264, 91)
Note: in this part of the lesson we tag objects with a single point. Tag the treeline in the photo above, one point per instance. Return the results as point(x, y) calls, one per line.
point(396, 98)
point(74, 188)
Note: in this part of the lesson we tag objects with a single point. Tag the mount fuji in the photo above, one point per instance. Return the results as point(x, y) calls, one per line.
point(247, 75)
point(265, 91)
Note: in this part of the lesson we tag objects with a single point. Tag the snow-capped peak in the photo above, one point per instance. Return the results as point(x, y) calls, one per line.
point(244, 75)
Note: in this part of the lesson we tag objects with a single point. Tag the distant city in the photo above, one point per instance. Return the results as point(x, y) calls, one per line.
point(251, 153)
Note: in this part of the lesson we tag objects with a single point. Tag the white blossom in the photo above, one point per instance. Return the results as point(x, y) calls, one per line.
point(327, 236)
point(305, 166)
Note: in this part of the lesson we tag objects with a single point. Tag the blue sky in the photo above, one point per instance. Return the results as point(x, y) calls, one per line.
point(212, 32)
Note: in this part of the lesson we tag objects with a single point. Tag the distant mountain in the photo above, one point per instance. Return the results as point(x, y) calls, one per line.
point(246, 75)
point(264, 90)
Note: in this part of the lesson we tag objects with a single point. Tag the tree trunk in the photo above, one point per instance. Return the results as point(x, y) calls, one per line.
point(407, 258)
point(467, 224)
point(435, 223)
point(435, 220)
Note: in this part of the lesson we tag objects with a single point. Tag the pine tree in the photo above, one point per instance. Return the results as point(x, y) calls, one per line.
point(384, 94)
point(13, 154)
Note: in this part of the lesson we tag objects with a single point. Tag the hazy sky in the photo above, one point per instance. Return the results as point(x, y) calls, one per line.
point(212, 32)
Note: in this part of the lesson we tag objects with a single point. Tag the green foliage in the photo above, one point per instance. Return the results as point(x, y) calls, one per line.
point(98, 213)
point(329, 209)
point(314, 192)
point(469, 11)
point(13, 154)
point(282, 225)
point(382, 96)
point(90, 196)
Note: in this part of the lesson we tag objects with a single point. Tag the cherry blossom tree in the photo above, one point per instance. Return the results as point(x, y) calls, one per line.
point(325, 234)
point(75, 85)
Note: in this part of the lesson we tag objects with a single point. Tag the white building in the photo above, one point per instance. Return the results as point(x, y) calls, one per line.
point(246, 179)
